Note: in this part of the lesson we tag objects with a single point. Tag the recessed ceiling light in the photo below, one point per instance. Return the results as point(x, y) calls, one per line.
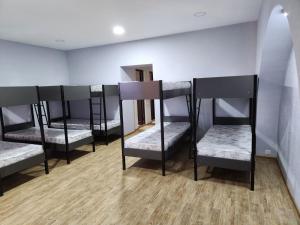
point(118, 30)
point(284, 13)
point(60, 41)
point(200, 14)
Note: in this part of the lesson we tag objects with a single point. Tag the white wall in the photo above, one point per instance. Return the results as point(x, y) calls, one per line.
point(288, 110)
point(221, 51)
point(289, 126)
point(22, 65)
point(275, 58)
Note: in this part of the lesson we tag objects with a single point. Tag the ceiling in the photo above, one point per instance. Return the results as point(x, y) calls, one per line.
point(72, 24)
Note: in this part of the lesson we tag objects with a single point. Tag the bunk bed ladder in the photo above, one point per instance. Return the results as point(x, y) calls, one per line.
point(97, 114)
point(43, 113)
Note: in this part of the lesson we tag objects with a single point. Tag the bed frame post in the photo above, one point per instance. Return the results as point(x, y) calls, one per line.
point(104, 114)
point(162, 132)
point(32, 115)
point(48, 113)
point(41, 125)
point(63, 104)
point(195, 127)
point(214, 110)
point(253, 126)
point(2, 124)
point(92, 121)
point(190, 105)
point(1, 186)
point(122, 130)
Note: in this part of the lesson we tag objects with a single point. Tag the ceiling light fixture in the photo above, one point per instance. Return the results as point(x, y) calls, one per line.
point(284, 13)
point(200, 14)
point(60, 41)
point(118, 30)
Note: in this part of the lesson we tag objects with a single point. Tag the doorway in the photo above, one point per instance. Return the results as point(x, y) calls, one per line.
point(140, 112)
point(140, 103)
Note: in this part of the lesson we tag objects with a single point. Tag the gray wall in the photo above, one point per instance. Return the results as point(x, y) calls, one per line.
point(221, 51)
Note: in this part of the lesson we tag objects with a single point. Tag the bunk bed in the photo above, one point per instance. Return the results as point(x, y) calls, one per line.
point(65, 139)
point(102, 125)
point(15, 157)
point(231, 142)
point(159, 141)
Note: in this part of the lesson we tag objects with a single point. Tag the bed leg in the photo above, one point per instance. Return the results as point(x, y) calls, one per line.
point(68, 157)
point(1, 187)
point(252, 180)
point(195, 171)
point(46, 166)
point(252, 174)
point(163, 168)
point(94, 146)
point(123, 162)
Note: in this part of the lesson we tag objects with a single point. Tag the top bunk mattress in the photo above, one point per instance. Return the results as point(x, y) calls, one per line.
point(54, 136)
point(176, 85)
point(228, 142)
point(11, 153)
point(150, 139)
point(96, 88)
point(84, 124)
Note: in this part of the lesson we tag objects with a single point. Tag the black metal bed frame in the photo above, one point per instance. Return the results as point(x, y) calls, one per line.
point(153, 90)
point(107, 90)
point(16, 96)
point(226, 87)
point(65, 94)
point(62, 94)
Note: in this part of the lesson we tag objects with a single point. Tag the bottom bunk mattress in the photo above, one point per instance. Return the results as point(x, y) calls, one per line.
point(11, 153)
point(150, 139)
point(84, 124)
point(53, 136)
point(227, 142)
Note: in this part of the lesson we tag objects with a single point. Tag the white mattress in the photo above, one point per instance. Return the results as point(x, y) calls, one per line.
point(55, 136)
point(11, 153)
point(84, 124)
point(96, 88)
point(150, 139)
point(228, 142)
point(176, 85)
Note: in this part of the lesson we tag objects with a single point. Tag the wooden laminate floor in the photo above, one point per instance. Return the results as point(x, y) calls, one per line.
point(93, 189)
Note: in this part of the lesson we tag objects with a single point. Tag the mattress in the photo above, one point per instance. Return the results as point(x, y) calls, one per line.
point(54, 136)
point(96, 88)
point(176, 85)
point(150, 139)
point(11, 153)
point(84, 124)
point(228, 142)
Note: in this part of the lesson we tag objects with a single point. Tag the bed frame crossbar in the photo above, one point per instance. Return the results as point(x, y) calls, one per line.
point(16, 96)
point(225, 87)
point(140, 90)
